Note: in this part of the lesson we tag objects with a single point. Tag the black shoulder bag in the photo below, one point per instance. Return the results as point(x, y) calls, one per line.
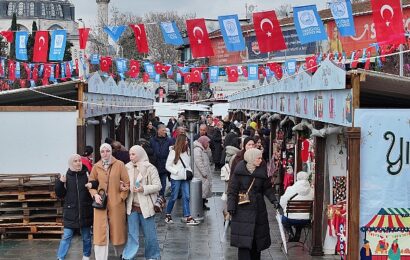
point(188, 173)
point(103, 194)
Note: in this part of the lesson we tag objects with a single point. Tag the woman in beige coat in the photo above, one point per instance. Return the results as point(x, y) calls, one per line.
point(145, 185)
point(202, 167)
point(109, 224)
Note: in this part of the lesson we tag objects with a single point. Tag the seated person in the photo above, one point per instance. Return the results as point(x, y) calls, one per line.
point(301, 190)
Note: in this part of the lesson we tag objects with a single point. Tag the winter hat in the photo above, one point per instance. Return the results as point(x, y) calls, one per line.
point(302, 176)
point(250, 157)
point(246, 140)
point(71, 163)
point(203, 140)
point(254, 125)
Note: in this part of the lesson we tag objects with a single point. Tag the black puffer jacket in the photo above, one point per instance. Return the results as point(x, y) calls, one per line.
point(250, 221)
point(78, 211)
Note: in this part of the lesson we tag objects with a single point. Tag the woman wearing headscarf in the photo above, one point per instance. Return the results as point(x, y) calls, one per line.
point(248, 143)
point(202, 167)
point(178, 162)
point(144, 187)
point(109, 224)
point(249, 225)
point(78, 213)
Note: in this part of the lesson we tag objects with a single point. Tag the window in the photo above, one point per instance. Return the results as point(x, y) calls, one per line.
point(20, 11)
point(11, 9)
point(43, 9)
point(52, 10)
point(31, 12)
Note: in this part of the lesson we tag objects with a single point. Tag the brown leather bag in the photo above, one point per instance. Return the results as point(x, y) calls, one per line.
point(243, 197)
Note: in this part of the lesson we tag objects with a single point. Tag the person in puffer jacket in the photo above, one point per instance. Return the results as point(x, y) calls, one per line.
point(301, 190)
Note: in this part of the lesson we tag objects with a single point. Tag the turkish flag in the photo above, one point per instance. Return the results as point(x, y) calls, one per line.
point(158, 67)
point(35, 72)
point(46, 74)
point(232, 72)
point(12, 70)
point(367, 63)
point(388, 21)
point(199, 38)
point(355, 60)
point(83, 32)
point(134, 68)
point(27, 69)
point(188, 78)
point(105, 64)
point(262, 71)
point(41, 47)
point(67, 70)
point(245, 71)
point(9, 35)
point(145, 77)
point(140, 37)
point(277, 69)
point(311, 64)
point(268, 32)
point(196, 75)
point(57, 71)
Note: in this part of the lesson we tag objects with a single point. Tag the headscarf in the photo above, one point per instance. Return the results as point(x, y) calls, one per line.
point(302, 176)
point(106, 163)
point(71, 162)
point(250, 157)
point(142, 157)
point(203, 140)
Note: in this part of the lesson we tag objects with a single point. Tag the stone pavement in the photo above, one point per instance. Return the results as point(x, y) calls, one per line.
point(177, 241)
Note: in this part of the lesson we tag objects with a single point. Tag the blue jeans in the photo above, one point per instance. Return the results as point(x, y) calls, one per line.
point(135, 222)
point(163, 177)
point(66, 242)
point(175, 187)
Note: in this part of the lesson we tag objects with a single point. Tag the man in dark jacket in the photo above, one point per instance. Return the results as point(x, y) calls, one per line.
point(216, 145)
point(161, 144)
point(202, 131)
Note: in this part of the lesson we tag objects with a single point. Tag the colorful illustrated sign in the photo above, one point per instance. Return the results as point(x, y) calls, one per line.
point(385, 182)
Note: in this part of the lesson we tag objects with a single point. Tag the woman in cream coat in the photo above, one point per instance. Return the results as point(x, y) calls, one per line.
point(144, 187)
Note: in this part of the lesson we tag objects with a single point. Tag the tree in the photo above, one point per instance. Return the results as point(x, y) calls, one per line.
point(3, 47)
point(283, 11)
point(67, 51)
point(30, 41)
point(14, 28)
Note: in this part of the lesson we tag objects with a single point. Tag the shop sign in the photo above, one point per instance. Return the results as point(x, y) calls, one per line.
point(333, 106)
point(385, 180)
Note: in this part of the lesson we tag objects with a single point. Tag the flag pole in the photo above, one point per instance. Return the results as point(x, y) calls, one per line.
point(401, 58)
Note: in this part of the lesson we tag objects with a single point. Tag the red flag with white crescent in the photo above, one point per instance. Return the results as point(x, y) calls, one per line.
point(158, 67)
point(134, 68)
point(67, 70)
point(188, 78)
point(199, 38)
point(276, 68)
point(268, 32)
point(355, 60)
point(57, 71)
point(12, 70)
point(46, 74)
point(8, 35)
point(145, 77)
point(388, 21)
point(311, 64)
point(245, 71)
point(140, 37)
point(262, 71)
point(83, 32)
point(27, 69)
point(105, 64)
point(232, 72)
point(35, 72)
point(41, 47)
point(196, 75)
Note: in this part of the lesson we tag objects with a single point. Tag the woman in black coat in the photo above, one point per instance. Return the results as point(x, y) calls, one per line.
point(78, 212)
point(249, 226)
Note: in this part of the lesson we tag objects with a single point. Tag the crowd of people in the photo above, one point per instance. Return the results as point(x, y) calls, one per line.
point(120, 194)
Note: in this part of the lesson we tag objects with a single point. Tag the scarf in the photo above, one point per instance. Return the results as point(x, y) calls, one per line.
point(71, 160)
point(250, 158)
point(106, 163)
point(141, 156)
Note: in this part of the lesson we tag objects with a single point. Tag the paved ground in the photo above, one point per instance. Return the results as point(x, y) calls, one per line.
point(177, 241)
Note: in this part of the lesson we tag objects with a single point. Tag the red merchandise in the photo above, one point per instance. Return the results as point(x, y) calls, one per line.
point(355, 60)
point(46, 73)
point(311, 64)
point(12, 70)
point(245, 71)
point(134, 68)
point(268, 32)
point(140, 37)
point(83, 32)
point(199, 38)
point(262, 71)
point(57, 72)
point(367, 64)
point(196, 75)
point(27, 69)
point(158, 67)
point(145, 77)
point(35, 72)
point(67, 70)
point(105, 64)
point(304, 151)
point(8, 35)
point(276, 68)
point(388, 21)
point(41, 47)
point(232, 72)
point(77, 68)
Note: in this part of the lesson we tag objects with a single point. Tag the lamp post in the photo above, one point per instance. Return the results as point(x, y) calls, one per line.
point(81, 21)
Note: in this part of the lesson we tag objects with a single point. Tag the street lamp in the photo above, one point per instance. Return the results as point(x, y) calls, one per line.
point(81, 21)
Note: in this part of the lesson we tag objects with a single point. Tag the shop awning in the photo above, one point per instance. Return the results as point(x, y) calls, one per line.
point(389, 220)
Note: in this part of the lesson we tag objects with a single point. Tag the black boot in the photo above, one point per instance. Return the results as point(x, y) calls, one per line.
point(204, 206)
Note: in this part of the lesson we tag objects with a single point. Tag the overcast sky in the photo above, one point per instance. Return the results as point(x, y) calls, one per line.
point(87, 9)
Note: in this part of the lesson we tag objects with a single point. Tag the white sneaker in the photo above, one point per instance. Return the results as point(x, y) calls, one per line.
point(190, 221)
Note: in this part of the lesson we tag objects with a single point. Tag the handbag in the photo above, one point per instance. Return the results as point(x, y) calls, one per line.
point(243, 197)
point(159, 203)
point(189, 174)
point(104, 196)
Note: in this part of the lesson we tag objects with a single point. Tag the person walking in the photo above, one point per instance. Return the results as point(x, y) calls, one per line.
point(250, 225)
point(248, 143)
point(109, 223)
point(149, 132)
point(78, 212)
point(144, 187)
point(178, 162)
point(202, 168)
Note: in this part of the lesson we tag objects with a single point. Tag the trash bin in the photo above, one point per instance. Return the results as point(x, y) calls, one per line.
point(195, 200)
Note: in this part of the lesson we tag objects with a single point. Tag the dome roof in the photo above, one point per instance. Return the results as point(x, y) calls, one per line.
point(43, 9)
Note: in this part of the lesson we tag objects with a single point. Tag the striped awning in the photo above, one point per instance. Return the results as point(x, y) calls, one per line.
point(389, 220)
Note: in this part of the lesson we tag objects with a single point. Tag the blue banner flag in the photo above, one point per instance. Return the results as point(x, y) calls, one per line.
point(52, 74)
point(309, 26)
point(290, 66)
point(95, 59)
point(213, 74)
point(342, 12)
point(149, 68)
point(58, 42)
point(232, 32)
point(18, 74)
point(157, 78)
point(121, 67)
point(179, 78)
point(115, 32)
point(171, 33)
point(253, 72)
point(62, 66)
point(21, 45)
